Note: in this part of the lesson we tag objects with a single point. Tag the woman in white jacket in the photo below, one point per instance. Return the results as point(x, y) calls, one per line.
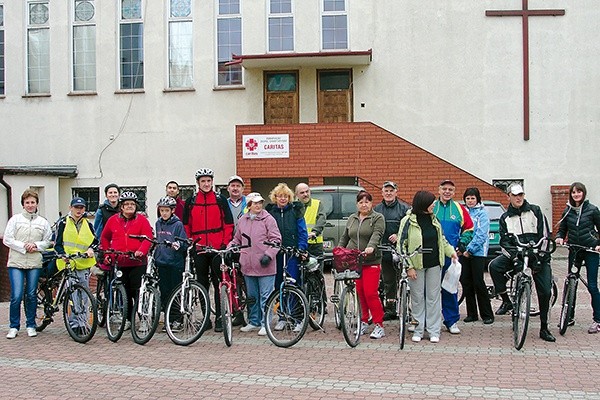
point(26, 235)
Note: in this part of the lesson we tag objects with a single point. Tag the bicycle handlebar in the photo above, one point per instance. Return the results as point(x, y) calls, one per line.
point(151, 240)
point(73, 256)
point(289, 250)
point(536, 246)
point(391, 249)
point(579, 247)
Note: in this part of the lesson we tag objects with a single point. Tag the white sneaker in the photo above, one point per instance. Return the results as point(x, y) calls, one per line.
point(411, 327)
point(262, 331)
point(280, 325)
point(31, 332)
point(297, 328)
point(363, 328)
point(453, 329)
point(416, 338)
point(249, 328)
point(378, 332)
point(12, 333)
point(127, 326)
point(434, 339)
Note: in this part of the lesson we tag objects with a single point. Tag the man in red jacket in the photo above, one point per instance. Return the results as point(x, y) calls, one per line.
point(207, 217)
point(115, 236)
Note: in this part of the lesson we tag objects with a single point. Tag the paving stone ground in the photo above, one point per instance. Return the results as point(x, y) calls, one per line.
point(479, 363)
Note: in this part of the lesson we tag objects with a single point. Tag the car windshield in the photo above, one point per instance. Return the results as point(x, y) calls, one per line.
point(495, 211)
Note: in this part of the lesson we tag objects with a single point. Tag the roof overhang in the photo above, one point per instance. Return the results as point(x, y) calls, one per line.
point(324, 59)
point(62, 171)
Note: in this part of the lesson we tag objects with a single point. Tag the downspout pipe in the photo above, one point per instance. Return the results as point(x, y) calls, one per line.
point(8, 195)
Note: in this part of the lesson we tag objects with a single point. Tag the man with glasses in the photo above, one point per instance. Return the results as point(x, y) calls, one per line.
point(458, 231)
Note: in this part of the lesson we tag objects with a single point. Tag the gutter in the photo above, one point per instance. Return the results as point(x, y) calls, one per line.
point(8, 195)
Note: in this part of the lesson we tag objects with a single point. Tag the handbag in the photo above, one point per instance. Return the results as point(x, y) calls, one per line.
point(452, 277)
point(346, 259)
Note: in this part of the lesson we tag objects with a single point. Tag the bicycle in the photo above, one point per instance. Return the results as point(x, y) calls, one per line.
point(400, 263)
point(116, 307)
point(520, 287)
point(146, 308)
point(569, 299)
point(188, 309)
point(286, 309)
point(346, 302)
point(78, 304)
point(313, 286)
point(233, 296)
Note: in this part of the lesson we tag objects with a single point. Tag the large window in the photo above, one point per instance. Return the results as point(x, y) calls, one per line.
point(140, 191)
point(131, 44)
point(334, 25)
point(229, 41)
point(84, 45)
point(281, 25)
point(91, 196)
point(38, 47)
point(181, 60)
point(1, 50)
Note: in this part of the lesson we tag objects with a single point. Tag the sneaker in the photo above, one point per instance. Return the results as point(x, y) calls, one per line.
point(31, 332)
point(127, 326)
point(280, 325)
point(297, 328)
point(144, 326)
point(176, 326)
point(411, 327)
point(262, 331)
point(12, 333)
point(378, 332)
point(434, 339)
point(218, 325)
point(363, 328)
point(239, 319)
point(249, 328)
point(416, 338)
point(453, 329)
point(594, 328)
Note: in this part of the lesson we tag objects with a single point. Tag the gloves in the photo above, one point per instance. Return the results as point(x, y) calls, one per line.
point(265, 260)
point(176, 245)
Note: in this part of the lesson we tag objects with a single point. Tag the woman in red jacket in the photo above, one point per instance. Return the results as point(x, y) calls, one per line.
point(115, 236)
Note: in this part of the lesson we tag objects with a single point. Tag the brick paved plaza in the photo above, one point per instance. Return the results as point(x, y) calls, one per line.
point(479, 363)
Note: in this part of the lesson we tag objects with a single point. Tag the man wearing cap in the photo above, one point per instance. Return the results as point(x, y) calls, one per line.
point(528, 223)
point(393, 211)
point(457, 227)
point(315, 219)
point(236, 200)
point(75, 234)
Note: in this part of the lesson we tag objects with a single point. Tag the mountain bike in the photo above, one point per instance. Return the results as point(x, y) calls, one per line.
point(346, 302)
point(569, 299)
point(146, 308)
point(400, 263)
point(116, 307)
point(520, 286)
point(78, 304)
point(233, 298)
point(188, 309)
point(286, 309)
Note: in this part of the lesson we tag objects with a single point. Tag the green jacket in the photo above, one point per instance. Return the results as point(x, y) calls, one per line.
point(415, 239)
point(368, 233)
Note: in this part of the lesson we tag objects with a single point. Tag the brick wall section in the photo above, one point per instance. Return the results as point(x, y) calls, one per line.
point(4, 282)
point(360, 149)
point(560, 197)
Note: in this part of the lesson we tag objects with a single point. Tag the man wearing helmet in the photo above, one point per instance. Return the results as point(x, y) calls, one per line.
point(115, 235)
point(207, 217)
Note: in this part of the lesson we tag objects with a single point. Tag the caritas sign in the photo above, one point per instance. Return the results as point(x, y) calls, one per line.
point(266, 146)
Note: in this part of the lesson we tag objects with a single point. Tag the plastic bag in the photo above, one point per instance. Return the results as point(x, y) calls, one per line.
point(452, 277)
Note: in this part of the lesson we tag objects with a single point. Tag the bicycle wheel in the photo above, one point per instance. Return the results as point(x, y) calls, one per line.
point(101, 299)
point(521, 314)
point(144, 318)
point(335, 300)
point(350, 316)
point(80, 313)
point(226, 318)
point(44, 310)
point(286, 316)
point(403, 312)
point(242, 298)
point(187, 313)
point(567, 311)
point(315, 287)
point(116, 312)
point(554, 293)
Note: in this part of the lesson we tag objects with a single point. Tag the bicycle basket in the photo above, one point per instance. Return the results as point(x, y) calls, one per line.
point(347, 259)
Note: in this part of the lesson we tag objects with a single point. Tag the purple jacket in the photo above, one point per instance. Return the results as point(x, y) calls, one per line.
point(262, 227)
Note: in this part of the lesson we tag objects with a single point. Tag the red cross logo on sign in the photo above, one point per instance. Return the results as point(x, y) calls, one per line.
point(251, 144)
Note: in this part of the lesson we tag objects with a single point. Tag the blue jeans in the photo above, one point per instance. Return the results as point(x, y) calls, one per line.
point(591, 265)
point(259, 288)
point(19, 279)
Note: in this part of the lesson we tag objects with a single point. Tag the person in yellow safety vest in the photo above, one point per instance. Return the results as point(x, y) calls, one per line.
point(315, 219)
point(75, 234)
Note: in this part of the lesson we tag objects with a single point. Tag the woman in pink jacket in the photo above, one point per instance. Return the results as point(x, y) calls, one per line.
point(257, 261)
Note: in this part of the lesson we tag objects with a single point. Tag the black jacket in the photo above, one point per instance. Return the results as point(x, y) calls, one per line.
point(581, 227)
point(392, 213)
point(528, 223)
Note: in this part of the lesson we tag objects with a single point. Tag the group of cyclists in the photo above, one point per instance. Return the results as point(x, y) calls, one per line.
point(294, 218)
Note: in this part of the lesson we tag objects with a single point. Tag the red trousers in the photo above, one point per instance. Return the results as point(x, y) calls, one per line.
point(368, 293)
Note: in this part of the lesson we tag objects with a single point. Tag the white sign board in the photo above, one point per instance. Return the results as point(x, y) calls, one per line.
point(266, 146)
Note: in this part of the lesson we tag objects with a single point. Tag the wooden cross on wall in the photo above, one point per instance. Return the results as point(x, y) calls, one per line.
point(524, 13)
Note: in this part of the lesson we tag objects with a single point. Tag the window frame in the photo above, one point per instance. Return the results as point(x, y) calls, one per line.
point(229, 16)
point(87, 192)
point(37, 27)
point(334, 14)
point(280, 16)
point(172, 20)
point(2, 53)
point(142, 193)
point(74, 24)
point(120, 22)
